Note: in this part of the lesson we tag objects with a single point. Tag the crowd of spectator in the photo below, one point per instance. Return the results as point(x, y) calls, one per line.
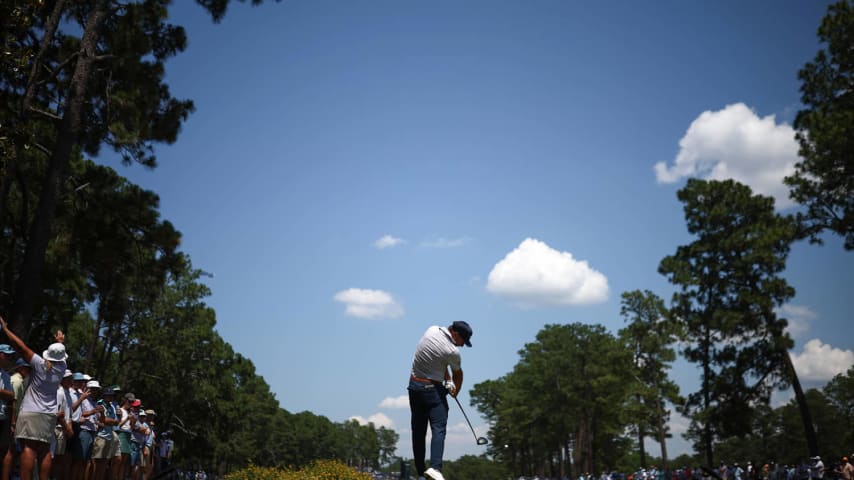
point(813, 469)
point(65, 425)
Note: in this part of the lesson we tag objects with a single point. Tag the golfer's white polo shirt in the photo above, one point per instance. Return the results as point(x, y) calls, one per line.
point(436, 351)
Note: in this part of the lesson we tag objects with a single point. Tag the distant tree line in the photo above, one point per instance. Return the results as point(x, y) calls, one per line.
point(774, 434)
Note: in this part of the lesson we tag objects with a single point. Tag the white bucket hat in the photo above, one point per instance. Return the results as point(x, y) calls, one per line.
point(55, 353)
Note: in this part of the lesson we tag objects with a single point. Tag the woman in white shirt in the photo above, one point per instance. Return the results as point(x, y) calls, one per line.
point(36, 422)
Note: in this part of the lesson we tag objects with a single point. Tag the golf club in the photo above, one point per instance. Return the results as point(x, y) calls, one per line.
point(480, 440)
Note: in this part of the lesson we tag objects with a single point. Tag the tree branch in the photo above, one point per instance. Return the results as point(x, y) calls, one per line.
point(55, 71)
point(51, 116)
point(41, 148)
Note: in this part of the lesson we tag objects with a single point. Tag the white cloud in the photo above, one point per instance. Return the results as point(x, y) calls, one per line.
point(388, 241)
point(821, 362)
point(736, 143)
point(799, 318)
point(364, 303)
point(459, 427)
point(535, 274)
point(395, 402)
point(678, 423)
point(445, 242)
point(781, 397)
point(378, 419)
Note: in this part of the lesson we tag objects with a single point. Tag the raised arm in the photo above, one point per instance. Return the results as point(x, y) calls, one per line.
point(26, 352)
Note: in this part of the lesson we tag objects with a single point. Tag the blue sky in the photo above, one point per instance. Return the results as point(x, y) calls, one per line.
point(358, 171)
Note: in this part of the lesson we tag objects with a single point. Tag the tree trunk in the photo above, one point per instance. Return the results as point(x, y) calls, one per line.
point(809, 430)
point(28, 285)
point(641, 447)
point(662, 435)
point(94, 345)
point(593, 450)
point(580, 448)
point(564, 459)
point(707, 401)
point(662, 429)
point(641, 435)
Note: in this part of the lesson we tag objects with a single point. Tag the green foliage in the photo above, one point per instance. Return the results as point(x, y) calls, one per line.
point(649, 335)
point(568, 388)
point(840, 395)
point(317, 470)
point(824, 178)
point(685, 460)
point(473, 467)
point(777, 434)
point(729, 287)
point(76, 76)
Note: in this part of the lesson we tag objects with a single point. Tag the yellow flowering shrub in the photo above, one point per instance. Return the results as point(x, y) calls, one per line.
point(317, 470)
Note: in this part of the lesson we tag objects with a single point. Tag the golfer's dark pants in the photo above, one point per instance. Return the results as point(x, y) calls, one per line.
point(428, 402)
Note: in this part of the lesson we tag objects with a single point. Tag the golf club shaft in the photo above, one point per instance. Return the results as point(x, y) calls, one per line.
point(467, 417)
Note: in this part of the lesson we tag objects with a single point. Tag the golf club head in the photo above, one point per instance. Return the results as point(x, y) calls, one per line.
point(482, 441)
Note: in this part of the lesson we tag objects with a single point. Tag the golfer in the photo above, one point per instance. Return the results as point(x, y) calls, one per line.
point(429, 384)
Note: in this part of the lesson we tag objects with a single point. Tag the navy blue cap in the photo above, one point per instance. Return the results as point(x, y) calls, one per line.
point(464, 330)
point(20, 362)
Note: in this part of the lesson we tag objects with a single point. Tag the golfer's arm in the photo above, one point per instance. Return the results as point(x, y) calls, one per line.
point(458, 380)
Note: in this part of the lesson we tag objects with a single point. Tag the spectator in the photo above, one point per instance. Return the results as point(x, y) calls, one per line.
point(64, 431)
point(115, 463)
point(105, 445)
point(166, 445)
point(89, 413)
point(78, 385)
point(20, 381)
point(149, 443)
point(123, 470)
point(816, 468)
point(7, 397)
point(139, 434)
point(35, 424)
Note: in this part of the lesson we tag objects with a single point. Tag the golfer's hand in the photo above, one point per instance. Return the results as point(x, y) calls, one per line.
point(451, 388)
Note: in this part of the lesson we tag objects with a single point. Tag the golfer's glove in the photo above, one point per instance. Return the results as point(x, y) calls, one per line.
point(450, 387)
